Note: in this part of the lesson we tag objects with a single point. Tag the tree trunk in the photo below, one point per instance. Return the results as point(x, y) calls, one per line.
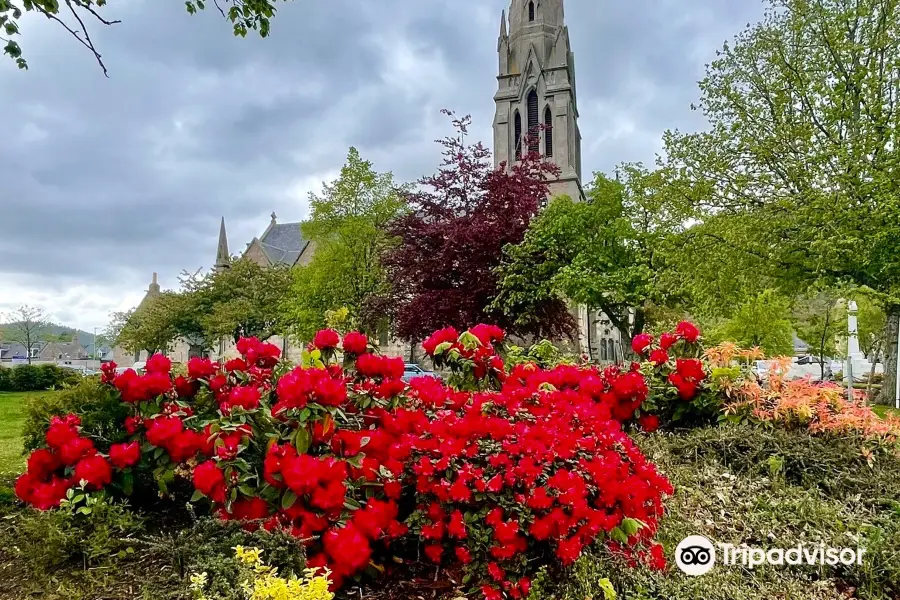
point(889, 384)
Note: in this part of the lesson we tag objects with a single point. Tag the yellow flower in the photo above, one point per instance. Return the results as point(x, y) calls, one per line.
point(248, 556)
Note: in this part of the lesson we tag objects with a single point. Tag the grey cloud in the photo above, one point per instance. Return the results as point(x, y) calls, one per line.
point(105, 181)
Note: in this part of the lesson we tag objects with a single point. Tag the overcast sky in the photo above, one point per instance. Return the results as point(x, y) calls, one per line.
point(104, 181)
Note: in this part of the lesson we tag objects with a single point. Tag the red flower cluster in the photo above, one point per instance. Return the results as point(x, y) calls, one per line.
point(535, 459)
point(687, 377)
point(356, 343)
point(447, 348)
point(69, 460)
point(541, 461)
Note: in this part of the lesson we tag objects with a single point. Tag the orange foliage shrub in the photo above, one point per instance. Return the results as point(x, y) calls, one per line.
point(821, 408)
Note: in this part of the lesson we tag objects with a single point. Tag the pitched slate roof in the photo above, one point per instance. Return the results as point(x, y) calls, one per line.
point(283, 243)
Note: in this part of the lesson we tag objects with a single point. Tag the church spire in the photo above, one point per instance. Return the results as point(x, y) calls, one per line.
point(223, 259)
point(503, 24)
point(536, 91)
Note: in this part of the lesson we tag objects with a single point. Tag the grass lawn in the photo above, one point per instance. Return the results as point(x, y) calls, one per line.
point(12, 417)
point(882, 410)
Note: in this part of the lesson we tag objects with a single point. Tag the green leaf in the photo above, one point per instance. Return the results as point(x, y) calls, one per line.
point(631, 526)
point(197, 496)
point(288, 499)
point(618, 535)
point(303, 440)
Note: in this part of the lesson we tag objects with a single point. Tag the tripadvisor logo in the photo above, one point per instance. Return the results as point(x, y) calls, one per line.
point(696, 555)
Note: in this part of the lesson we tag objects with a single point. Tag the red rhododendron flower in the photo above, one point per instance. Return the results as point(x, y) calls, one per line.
point(690, 369)
point(496, 573)
point(124, 455)
point(132, 424)
point(72, 451)
point(448, 334)
point(686, 389)
point(457, 526)
point(249, 509)
point(61, 430)
point(649, 423)
point(95, 470)
point(326, 339)
point(201, 368)
point(236, 365)
point(667, 340)
point(687, 331)
point(185, 388)
point(158, 363)
point(108, 372)
point(657, 557)
point(463, 555)
point(42, 463)
point(210, 481)
point(659, 357)
point(348, 549)
point(434, 552)
point(244, 396)
point(163, 428)
point(356, 343)
point(41, 495)
point(491, 593)
point(641, 343)
point(487, 334)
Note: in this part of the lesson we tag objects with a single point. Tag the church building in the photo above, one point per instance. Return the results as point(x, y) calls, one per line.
point(537, 111)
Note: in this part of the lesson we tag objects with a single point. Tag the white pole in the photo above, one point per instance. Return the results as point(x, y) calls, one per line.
point(897, 391)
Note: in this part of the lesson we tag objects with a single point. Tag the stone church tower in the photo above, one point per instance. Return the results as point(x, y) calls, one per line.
point(536, 92)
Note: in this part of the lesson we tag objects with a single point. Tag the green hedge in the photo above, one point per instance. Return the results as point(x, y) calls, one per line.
point(30, 378)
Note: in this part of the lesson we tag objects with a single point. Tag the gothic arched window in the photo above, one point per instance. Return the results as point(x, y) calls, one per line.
point(534, 144)
point(548, 132)
point(531, 11)
point(517, 128)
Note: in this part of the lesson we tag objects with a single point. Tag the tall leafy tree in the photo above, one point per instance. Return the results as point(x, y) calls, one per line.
point(763, 321)
point(442, 272)
point(799, 165)
point(348, 229)
point(150, 327)
point(241, 300)
point(27, 326)
point(611, 252)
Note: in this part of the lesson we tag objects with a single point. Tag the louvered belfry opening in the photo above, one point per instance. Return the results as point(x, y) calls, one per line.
point(531, 11)
point(533, 134)
point(517, 126)
point(548, 132)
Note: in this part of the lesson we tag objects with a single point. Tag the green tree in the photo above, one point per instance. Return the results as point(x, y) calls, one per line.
point(347, 229)
point(609, 253)
point(798, 169)
point(820, 320)
point(242, 300)
point(150, 327)
point(27, 326)
point(73, 15)
point(762, 321)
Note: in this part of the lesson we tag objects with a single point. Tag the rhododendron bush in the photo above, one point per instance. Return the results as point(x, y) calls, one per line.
point(496, 474)
point(689, 383)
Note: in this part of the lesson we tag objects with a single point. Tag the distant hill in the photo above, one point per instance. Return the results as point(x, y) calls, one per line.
point(86, 338)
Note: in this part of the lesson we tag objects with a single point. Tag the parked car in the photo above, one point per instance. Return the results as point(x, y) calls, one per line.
point(84, 371)
point(411, 370)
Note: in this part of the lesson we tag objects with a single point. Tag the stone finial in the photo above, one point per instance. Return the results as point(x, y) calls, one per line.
point(503, 24)
point(154, 281)
point(274, 217)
